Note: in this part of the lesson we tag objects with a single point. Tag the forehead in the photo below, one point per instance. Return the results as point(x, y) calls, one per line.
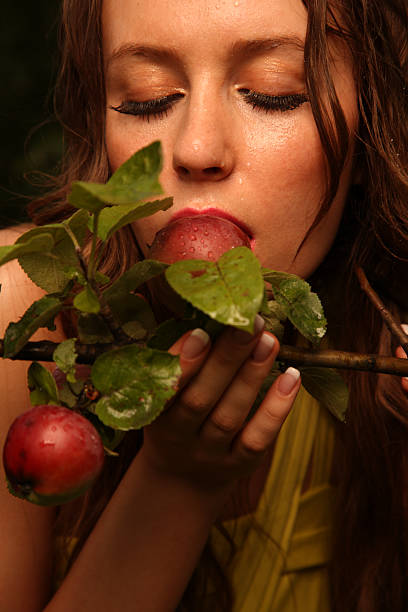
point(192, 26)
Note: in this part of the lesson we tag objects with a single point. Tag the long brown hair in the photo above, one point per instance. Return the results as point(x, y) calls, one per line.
point(370, 554)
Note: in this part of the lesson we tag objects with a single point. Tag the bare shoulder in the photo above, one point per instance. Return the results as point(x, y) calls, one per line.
point(18, 292)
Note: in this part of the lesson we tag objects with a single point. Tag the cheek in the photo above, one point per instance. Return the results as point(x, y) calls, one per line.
point(290, 187)
point(116, 146)
point(289, 166)
point(122, 140)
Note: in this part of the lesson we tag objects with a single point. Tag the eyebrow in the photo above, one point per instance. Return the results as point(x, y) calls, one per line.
point(243, 48)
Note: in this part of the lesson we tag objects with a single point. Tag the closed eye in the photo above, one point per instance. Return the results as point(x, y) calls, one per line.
point(156, 108)
point(267, 103)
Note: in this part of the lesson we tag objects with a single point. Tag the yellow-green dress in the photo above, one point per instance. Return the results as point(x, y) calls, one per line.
point(281, 567)
point(287, 571)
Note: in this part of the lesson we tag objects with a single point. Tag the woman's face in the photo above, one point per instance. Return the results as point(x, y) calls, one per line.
point(221, 84)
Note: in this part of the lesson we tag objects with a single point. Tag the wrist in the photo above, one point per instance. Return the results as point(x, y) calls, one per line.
point(206, 499)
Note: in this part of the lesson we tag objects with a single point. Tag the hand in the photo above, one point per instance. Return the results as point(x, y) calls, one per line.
point(205, 436)
point(402, 355)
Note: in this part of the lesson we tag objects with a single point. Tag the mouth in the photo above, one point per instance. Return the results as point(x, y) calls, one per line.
point(213, 212)
point(199, 234)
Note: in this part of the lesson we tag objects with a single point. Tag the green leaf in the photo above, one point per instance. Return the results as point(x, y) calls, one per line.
point(134, 314)
point(42, 385)
point(88, 196)
point(101, 279)
point(110, 437)
point(75, 275)
point(302, 307)
point(68, 393)
point(229, 290)
point(137, 275)
point(40, 314)
point(274, 318)
point(135, 180)
point(113, 218)
point(136, 383)
point(65, 356)
point(166, 334)
point(52, 269)
point(328, 387)
point(71, 387)
point(77, 224)
point(92, 329)
point(87, 301)
point(140, 173)
point(36, 244)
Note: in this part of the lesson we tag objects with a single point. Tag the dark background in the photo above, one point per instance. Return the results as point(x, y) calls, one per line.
point(30, 137)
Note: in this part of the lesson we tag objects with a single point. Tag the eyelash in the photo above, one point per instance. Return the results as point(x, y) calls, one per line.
point(263, 102)
point(158, 108)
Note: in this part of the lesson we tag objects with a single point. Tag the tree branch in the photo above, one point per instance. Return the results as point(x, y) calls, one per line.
point(388, 318)
point(342, 360)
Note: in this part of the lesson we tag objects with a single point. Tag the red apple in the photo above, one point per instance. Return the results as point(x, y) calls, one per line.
point(197, 237)
point(52, 455)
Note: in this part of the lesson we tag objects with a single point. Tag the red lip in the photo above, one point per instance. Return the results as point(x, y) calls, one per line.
point(215, 212)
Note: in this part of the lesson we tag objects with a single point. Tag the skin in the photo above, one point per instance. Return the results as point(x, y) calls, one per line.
point(264, 168)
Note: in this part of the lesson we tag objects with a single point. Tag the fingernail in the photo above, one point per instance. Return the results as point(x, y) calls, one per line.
point(243, 337)
point(264, 348)
point(288, 380)
point(195, 343)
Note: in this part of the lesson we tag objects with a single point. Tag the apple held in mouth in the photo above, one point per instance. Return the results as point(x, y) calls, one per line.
point(197, 237)
point(190, 237)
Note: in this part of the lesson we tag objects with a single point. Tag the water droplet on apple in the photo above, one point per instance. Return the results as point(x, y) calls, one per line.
point(44, 443)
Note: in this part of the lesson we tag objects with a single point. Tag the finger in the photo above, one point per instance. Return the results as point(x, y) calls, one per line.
point(261, 431)
point(203, 392)
point(192, 349)
point(402, 355)
point(227, 418)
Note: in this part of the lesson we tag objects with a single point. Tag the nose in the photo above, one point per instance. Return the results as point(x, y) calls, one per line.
point(202, 148)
